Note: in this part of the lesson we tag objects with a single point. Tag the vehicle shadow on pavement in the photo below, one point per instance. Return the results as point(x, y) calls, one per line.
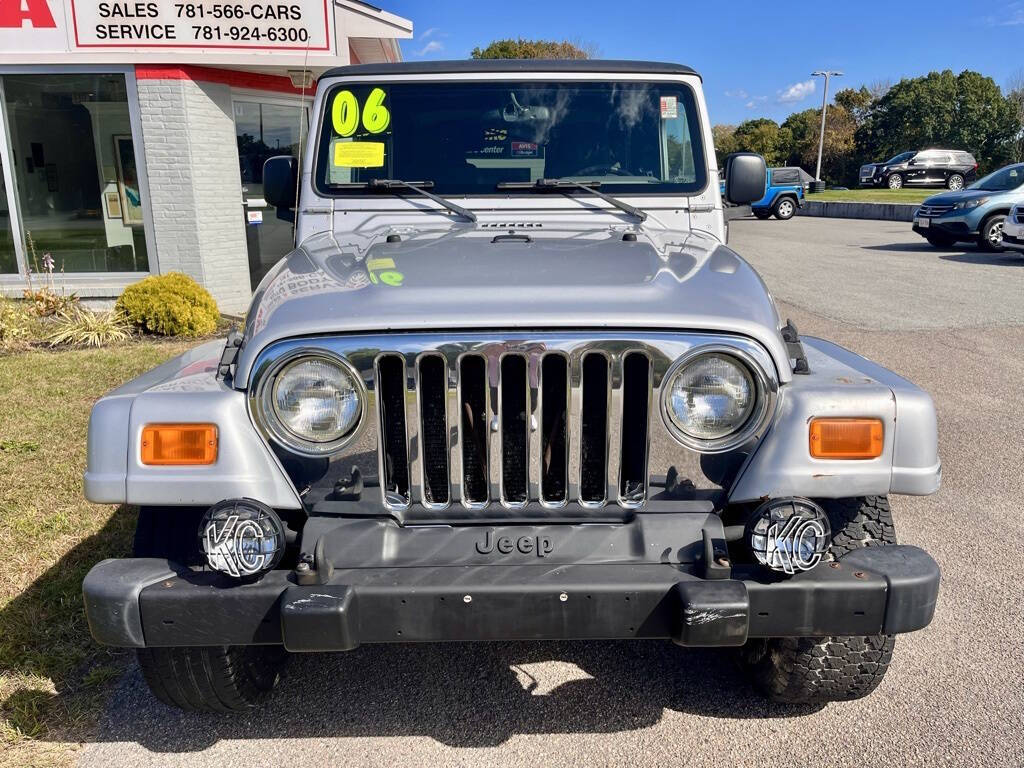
point(462, 695)
point(44, 639)
point(966, 254)
point(1001, 259)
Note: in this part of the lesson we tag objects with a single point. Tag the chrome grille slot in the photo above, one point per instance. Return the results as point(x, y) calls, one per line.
point(473, 428)
point(512, 407)
point(636, 391)
point(594, 428)
point(434, 430)
point(554, 401)
point(394, 456)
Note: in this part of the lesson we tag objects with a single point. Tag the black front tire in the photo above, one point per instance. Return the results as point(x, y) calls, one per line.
point(784, 209)
point(814, 671)
point(215, 679)
point(894, 181)
point(209, 679)
point(990, 235)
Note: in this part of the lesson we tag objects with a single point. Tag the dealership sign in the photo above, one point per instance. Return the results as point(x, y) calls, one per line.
point(165, 26)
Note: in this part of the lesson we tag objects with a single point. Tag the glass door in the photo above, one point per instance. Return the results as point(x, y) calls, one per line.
point(265, 129)
point(8, 257)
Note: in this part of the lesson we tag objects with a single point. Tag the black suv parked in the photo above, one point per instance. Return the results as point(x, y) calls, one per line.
point(949, 168)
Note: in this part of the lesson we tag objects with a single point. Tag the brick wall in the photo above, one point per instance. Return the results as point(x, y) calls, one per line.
point(192, 161)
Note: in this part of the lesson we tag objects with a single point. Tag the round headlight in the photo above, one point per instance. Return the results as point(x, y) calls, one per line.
point(713, 400)
point(711, 397)
point(313, 403)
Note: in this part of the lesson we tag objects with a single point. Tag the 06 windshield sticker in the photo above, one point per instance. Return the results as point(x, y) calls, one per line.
point(352, 120)
point(346, 113)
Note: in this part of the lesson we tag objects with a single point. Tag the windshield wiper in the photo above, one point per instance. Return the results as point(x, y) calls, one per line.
point(586, 186)
point(415, 186)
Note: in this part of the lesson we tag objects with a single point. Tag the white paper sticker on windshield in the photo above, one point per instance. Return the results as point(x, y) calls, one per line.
point(669, 107)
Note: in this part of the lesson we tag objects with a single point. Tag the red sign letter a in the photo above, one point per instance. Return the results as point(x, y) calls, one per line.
point(36, 12)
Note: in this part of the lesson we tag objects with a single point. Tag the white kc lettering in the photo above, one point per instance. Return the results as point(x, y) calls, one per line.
point(236, 548)
point(785, 549)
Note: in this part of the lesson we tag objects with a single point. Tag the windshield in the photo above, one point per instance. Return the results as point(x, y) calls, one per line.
point(1003, 180)
point(899, 158)
point(466, 138)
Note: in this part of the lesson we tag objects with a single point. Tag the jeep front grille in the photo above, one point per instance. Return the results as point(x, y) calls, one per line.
point(513, 419)
point(507, 419)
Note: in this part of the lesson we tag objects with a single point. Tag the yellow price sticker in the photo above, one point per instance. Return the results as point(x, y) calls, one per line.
point(359, 154)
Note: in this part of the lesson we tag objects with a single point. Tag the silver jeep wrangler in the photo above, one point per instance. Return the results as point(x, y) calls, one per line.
point(511, 385)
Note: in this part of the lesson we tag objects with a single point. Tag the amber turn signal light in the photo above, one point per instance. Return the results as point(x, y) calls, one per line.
point(846, 438)
point(179, 444)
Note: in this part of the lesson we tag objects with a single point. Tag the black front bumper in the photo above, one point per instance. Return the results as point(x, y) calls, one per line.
point(627, 580)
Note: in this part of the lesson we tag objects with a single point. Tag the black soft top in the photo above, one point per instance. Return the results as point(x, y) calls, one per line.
point(468, 66)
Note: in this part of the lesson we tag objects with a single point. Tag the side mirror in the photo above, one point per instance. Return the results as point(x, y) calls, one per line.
point(745, 177)
point(280, 181)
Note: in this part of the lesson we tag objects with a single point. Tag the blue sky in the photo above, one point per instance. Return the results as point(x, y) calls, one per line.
point(756, 58)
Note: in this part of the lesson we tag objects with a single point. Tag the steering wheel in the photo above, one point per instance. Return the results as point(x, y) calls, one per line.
point(603, 170)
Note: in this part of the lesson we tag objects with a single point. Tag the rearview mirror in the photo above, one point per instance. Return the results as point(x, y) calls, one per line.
point(280, 182)
point(745, 176)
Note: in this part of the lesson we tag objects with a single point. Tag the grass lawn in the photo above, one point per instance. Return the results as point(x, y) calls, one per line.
point(870, 195)
point(53, 677)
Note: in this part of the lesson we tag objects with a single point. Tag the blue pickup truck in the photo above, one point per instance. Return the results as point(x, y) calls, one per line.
point(784, 193)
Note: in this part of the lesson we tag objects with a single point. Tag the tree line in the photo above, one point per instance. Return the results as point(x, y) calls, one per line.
point(966, 111)
point(865, 125)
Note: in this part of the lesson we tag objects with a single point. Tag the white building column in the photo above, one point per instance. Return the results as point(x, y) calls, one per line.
point(191, 156)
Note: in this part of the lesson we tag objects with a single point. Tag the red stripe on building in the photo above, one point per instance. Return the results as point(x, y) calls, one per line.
point(236, 79)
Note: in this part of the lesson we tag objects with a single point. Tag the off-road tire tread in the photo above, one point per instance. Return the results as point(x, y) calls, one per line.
point(805, 670)
point(211, 679)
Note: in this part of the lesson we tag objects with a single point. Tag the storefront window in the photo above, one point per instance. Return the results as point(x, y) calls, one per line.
point(74, 162)
point(8, 260)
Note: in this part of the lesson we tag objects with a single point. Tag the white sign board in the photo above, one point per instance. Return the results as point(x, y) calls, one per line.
point(291, 25)
point(156, 28)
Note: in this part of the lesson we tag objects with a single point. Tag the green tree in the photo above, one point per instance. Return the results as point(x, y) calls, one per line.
point(837, 155)
point(857, 101)
point(765, 137)
point(535, 49)
point(725, 141)
point(1015, 95)
point(966, 111)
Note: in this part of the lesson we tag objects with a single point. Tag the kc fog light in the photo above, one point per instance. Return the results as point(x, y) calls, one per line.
point(241, 537)
point(789, 535)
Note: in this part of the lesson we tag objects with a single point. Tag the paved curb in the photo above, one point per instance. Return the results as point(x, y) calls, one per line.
point(879, 211)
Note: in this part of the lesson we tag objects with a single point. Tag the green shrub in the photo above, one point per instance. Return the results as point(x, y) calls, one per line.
point(17, 326)
point(171, 305)
point(83, 328)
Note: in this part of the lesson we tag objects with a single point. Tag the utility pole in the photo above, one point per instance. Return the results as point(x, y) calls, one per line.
point(824, 106)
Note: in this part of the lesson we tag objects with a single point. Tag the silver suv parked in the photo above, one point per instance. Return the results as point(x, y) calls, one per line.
point(949, 168)
point(512, 385)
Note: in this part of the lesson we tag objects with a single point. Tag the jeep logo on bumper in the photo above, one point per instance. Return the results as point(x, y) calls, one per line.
point(506, 545)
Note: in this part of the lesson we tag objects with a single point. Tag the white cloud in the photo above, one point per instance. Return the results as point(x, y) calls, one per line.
point(431, 32)
point(796, 92)
point(433, 46)
point(755, 101)
point(739, 93)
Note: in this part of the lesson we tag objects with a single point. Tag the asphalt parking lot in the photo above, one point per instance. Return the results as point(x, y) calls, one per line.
point(953, 322)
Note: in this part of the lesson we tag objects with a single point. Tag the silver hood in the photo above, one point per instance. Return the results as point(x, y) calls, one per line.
point(477, 277)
